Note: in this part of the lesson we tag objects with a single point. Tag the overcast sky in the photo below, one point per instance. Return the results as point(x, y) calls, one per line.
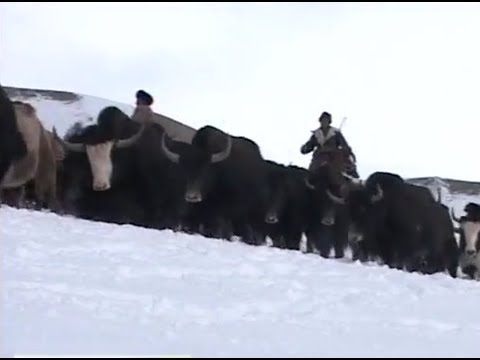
point(407, 76)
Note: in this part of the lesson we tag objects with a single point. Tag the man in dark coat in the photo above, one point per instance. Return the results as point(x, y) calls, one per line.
point(324, 140)
point(143, 112)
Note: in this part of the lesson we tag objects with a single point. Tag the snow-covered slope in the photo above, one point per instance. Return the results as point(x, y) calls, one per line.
point(75, 287)
point(454, 193)
point(62, 109)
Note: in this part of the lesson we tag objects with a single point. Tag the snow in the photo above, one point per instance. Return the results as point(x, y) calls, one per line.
point(454, 201)
point(63, 114)
point(75, 287)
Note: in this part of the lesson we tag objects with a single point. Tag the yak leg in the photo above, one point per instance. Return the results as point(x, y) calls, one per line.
point(293, 239)
point(4, 165)
point(14, 197)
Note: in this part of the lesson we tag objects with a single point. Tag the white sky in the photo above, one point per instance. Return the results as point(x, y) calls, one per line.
point(407, 76)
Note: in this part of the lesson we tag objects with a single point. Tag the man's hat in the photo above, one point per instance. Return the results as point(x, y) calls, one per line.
point(325, 116)
point(144, 97)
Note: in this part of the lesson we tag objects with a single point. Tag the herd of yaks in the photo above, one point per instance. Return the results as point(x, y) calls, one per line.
point(220, 186)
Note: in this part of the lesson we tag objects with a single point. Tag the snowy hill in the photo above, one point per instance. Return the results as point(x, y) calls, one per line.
point(75, 287)
point(454, 193)
point(62, 109)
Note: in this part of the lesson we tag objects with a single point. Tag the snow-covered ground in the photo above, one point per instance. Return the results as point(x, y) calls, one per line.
point(75, 287)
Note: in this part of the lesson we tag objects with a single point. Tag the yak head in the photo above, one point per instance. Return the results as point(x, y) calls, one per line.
point(99, 141)
point(199, 166)
point(469, 230)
